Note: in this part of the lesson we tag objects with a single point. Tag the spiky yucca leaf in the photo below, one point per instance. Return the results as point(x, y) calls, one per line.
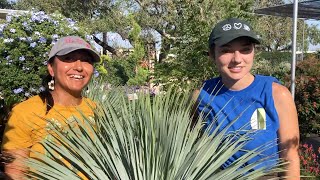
point(148, 138)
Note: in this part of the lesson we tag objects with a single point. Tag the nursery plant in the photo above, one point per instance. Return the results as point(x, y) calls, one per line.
point(309, 161)
point(150, 137)
point(307, 96)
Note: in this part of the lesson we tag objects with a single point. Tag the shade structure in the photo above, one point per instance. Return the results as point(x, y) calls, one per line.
point(306, 10)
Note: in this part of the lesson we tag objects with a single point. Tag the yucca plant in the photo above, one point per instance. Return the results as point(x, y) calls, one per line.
point(148, 138)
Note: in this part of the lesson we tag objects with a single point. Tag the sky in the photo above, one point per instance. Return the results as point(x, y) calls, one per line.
point(316, 47)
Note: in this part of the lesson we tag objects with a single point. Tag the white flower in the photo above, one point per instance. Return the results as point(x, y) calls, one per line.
point(22, 58)
point(8, 40)
point(22, 38)
point(55, 36)
point(33, 44)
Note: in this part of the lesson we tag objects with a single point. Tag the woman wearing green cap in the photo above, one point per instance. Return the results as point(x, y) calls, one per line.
point(260, 102)
point(70, 67)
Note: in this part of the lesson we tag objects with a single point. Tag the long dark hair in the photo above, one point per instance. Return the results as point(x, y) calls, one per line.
point(45, 95)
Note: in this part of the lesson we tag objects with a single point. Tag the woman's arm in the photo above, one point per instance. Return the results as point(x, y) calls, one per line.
point(16, 168)
point(16, 143)
point(288, 129)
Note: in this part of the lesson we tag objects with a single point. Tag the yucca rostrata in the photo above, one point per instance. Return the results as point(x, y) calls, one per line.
point(149, 138)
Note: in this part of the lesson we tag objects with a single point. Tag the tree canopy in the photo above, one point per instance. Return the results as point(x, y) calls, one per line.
point(178, 29)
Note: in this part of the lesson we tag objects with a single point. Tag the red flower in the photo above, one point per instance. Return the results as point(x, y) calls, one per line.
point(310, 169)
point(315, 104)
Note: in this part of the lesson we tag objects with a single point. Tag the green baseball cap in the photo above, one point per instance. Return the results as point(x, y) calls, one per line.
point(229, 29)
point(68, 44)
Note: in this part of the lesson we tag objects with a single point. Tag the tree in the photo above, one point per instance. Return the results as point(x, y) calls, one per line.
point(95, 16)
point(101, 16)
point(4, 4)
point(184, 28)
point(126, 69)
point(179, 29)
point(172, 20)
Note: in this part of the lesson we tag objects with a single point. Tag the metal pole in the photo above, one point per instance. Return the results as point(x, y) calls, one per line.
point(294, 47)
point(302, 40)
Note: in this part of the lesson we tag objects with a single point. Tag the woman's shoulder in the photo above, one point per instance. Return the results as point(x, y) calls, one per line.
point(209, 84)
point(212, 80)
point(280, 92)
point(266, 78)
point(32, 103)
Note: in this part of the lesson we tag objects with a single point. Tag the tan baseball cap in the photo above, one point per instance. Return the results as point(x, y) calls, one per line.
point(68, 44)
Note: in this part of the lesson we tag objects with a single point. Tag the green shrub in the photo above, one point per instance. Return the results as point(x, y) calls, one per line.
point(123, 70)
point(307, 96)
point(117, 70)
point(266, 63)
point(275, 57)
point(25, 42)
point(126, 68)
point(309, 161)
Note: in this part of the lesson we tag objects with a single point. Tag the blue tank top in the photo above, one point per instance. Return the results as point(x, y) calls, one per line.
point(255, 108)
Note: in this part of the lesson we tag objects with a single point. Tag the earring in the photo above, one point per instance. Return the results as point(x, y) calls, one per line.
point(51, 84)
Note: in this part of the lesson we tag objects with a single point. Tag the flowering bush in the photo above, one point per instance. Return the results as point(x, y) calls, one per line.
point(309, 160)
point(307, 96)
point(25, 41)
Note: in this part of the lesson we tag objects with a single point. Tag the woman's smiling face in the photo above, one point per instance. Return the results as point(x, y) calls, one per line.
point(235, 59)
point(71, 72)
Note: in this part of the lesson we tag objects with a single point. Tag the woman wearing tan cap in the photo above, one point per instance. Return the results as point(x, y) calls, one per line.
point(70, 67)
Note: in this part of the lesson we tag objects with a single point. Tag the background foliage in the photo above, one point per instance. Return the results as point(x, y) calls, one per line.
point(308, 95)
point(126, 69)
point(309, 161)
point(277, 64)
point(178, 29)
